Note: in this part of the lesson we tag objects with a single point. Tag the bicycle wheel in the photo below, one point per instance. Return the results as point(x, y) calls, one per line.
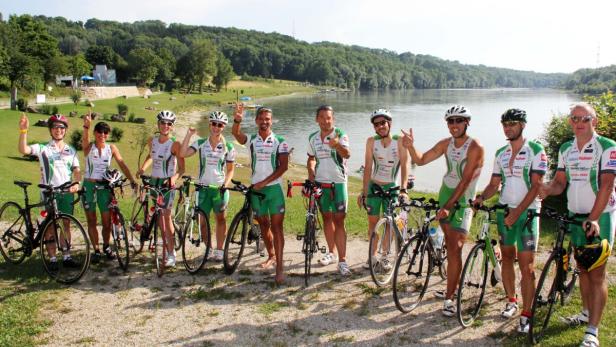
point(160, 251)
point(570, 275)
point(411, 274)
point(120, 239)
point(442, 261)
point(309, 247)
point(14, 242)
point(383, 252)
point(235, 242)
point(180, 217)
point(546, 295)
point(196, 242)
point(138, 223)
point(65, 249)
point(472, 285)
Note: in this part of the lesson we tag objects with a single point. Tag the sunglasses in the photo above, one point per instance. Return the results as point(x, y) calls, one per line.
point(104, 132)
point(166, 123)
point(216, 124)
point(584, 119)
point(58, 127)
point(379, 124)
point(511, 123)
point(456, 120)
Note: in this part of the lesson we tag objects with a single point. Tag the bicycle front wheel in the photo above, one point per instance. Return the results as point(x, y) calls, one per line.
point(120, 239)
point(235, 242)
point(383, 252)
point(570, 275)
point(138, 224)
point(180, 219)
point(309, 247)
point(412, 274)
point(472, 285)
point(65, 249)
point(14, 242)
point(546, 295)
point(196, 242)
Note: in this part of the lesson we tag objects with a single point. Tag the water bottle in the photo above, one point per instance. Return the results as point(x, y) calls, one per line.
point(436, 238)
point(439, 238)
point(402, 220)
point(41, 217)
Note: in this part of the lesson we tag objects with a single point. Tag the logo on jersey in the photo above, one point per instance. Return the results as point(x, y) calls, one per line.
point(588, 150)
point(613, 155)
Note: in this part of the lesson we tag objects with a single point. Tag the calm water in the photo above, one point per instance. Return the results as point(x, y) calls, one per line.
point(422, 110)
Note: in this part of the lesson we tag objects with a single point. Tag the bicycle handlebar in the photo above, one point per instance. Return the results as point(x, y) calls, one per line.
point(239, 187)
point(311, 186)
point(485, 208)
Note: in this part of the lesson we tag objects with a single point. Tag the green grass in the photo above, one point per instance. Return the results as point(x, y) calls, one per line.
point(269, 308)
point(212, 294)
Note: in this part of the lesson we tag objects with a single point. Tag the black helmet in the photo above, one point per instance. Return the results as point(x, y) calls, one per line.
point(514, 115)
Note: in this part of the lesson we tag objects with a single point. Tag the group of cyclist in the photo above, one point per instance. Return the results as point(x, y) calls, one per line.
point(586, 168)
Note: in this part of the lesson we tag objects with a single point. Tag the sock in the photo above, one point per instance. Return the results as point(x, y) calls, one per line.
point(592, 330)
point(514, 299)
point(526, 314)
point(585, 312)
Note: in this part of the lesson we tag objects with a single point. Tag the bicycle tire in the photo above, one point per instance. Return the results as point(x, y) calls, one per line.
point(14, 240)
point(196, 242)
point(73, 243)
point(572, 275)
point(138, 223)
point(381, 261)
point(235, 242)
point(544, 300)
point(442, 261)
point(160, 254)
point(309, 247)
point(120, 241)
point(180, 217)
point(413, 264)
point(471, 279)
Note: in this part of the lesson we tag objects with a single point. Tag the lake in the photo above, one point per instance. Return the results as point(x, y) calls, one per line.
point(422, 110)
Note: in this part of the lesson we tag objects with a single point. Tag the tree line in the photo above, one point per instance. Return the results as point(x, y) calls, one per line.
point(34, 49)
point(592, 81)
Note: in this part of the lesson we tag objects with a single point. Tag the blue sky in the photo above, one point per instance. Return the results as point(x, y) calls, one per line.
point(543, 36)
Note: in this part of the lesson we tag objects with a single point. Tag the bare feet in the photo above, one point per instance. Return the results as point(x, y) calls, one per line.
point(269, 263)
point(280, 278)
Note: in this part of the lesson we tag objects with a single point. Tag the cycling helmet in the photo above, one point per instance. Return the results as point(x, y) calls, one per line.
point(514, 115)
point(591, 256)
point(57, 118)
point(166, 116)
point(458, 111)
point(112, 176)
point(219, 117)
point(381, 112)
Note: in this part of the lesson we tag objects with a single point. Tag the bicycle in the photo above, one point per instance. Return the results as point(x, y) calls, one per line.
point(417, 260)
point(554, 283)
point(310, 244)
point(147, 229)
point(243, 229)
point(474, 277)
point(196, 236)
point(118, 224)
point(59, 235)
point(183, 212)
point(387, 237)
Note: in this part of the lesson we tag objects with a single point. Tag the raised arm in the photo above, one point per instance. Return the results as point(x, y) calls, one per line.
point(236, 130)
point(22, 145)
point(186, 151)
point(419, 158)
point(85, 138)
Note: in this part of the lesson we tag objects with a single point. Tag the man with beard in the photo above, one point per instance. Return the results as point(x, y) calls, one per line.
point(519, 167)
point(464, 157)
point(269, 155)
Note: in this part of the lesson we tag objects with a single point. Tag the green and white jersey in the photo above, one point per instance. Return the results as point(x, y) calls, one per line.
point(456, 161)
point(264, 155)
point(56, 165)
point(331, 166)
point(385, 160)
point(515, 178)
point(212, 160)
point(163, 162)
point(98, 161)
point(584, 168)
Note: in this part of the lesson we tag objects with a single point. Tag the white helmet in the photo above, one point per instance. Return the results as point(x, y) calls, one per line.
point(381, 112)
point(166, 116)
point(112, 176)
point(458, 111)
point(219, 117)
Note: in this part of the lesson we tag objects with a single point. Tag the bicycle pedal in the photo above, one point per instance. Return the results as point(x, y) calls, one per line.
point(300, 237)
point(323, 249)
point(262, 254)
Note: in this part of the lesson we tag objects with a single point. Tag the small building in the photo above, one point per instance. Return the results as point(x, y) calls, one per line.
point(66, 81)
point(104, 76)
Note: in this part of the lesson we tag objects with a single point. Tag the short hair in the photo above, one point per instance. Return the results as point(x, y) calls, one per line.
point(324, 108)
point(586, 106)
point(263, 110)
point(101, 127)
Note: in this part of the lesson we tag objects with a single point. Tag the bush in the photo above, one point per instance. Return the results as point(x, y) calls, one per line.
point(131, 118)
point(22, 104)
point(45, 109)
point(116, 134)
point(122, 109)
point(76, 96)
point(76, 139)
point(54, 109)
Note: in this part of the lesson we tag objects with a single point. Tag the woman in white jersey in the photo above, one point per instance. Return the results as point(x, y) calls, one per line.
point(214, 154)
point(164, 157)
point(385, 163)
point(98, 155)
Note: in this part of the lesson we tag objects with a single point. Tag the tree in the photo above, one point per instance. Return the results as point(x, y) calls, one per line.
point(143, 64)
point(78, 66)
point(53, 66)
point(224, 72)
point(198, 64)
point(101, 55)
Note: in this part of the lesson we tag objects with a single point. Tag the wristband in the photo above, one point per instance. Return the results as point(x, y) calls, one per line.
point(86, 127)
point(23, 131)
point(237, 121)
point(403, 191)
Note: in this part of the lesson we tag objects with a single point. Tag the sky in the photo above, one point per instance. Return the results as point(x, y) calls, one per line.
point(535, 35)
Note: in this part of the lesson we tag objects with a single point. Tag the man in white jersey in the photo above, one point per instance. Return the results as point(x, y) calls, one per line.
point(328, 151)
point(587, 168)
point(519, 167)
point(269, 159)
point(215, 152)
point(464, 156)
point(59, 164)
point(385, 162)
point(98, 155)
point(163, 156)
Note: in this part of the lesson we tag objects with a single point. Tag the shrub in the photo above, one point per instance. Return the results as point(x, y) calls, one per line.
point(45, 109)
point(122, 109)
point(116, 134)
point(131, 118)
point(76, 139)
point(22, 104)
point(54, 109)
point(76, 96)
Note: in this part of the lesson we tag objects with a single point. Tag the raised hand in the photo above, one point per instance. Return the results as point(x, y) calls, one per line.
point(407, 138)
point(238, 114)
point(191, 131)
point(87, 120)
point(24, 123)
point(334, 141)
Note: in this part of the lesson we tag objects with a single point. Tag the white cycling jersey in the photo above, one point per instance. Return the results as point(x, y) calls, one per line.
point(330, 166)
point(264, 156)
point(584, 168)
point(515, 178)
point(97, 162)
point(56, 165)
point(385, 160)
point(163, 162)
point(212, 160)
